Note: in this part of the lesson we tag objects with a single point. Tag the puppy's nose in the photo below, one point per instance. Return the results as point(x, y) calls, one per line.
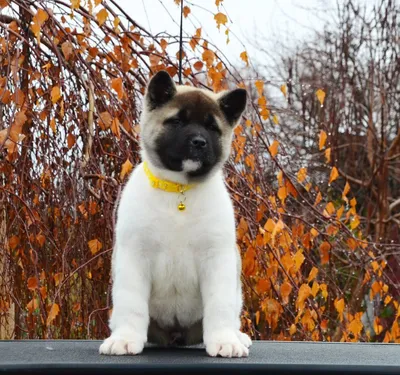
point(198, 141)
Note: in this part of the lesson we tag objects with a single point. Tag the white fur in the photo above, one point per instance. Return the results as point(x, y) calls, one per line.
point(169, 263)
point(191, 165)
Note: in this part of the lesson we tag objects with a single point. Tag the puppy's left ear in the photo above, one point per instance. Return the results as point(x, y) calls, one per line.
point(233, 104)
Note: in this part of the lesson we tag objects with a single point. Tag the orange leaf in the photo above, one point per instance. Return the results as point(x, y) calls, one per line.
point(304, 293)
point(302, 174)
point(221, 19)
point(263, 285)
point(298, 259)
point(208, 56)
point(273, 149)
point(259, 86)
point(314, 288)
point(55, 309)
point(70, 140)
point(324, 252)
point(126, 168)
point(318, 198)
point(352, 243)
point(32, 305)
point(269, 225)
point(13, 242)
point(320, 96)
point(334, 175)
point(115, 127)
point(244, 57)
point(53, 125)
point(186, 11)
point(322, 139)
point(33, 283)
point(345, 191)
point(328, 155)
point(20, 119)
point(102, 16)
point(105, 120)
point(198, 65)
point(286, 289)
point(116, 84)
point(76, 307)
point(313, 273)
point(40, 17)
point(330, 208)
point(67, 49)
point(95, 246)
point(55, 94)
point(3, 3)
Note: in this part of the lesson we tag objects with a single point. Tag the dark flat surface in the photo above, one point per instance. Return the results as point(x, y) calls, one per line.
point(266, 356)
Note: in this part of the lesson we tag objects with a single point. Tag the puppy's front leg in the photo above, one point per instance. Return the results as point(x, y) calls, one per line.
point(221, 320)
point(130, 317)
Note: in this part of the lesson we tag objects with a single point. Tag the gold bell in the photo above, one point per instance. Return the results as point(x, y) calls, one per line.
point(181, 206)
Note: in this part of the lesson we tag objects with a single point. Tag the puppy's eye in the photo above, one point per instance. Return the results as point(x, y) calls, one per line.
point(176, 121)
point(211, 123)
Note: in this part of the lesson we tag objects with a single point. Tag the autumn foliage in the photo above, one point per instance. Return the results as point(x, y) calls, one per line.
point(72, 76)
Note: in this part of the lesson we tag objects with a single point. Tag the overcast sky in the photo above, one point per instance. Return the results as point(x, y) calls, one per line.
point(283, 21)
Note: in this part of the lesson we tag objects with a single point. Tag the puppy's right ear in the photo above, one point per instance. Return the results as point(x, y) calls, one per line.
point(160, 90)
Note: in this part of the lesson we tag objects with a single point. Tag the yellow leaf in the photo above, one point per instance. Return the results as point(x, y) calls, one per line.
point(55, 94)
point(324, 290)
point(40, 17)
point(328, 155)
point(32, 305)
point(292, 329)
point(339, 212)
point(302, 174)
point(283, 89)
point(353, 202)
point(320, 96)
point(322, 139)
point(126, 168)
point(275, 119)
point(334, 175)
point(33, 283)
point(313, 273)
point(102, 16)
point(117, 85)
point(116, 22)
point(355, 222)
point(355, 326)
point(115, 127)
point(67, 49)
point(55, 309)
point(273, 149)
point(53, 125)
point(314, 288)
point(221, 19)
point(95, 246)
point(97, 2)
point(75, 4)
point(58, 278)
point(257, 317)
point(259, 86)
point(186, 11)
point(269, 225)
point(339, 305)
point(330, 208)
point(244, 57)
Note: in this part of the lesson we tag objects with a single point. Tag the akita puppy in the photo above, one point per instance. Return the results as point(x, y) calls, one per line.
point(176, 268)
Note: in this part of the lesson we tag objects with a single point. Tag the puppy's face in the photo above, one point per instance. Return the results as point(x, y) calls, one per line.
point(188, 130)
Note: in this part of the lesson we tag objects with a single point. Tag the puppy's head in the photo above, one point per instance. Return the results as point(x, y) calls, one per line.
point(186, 129)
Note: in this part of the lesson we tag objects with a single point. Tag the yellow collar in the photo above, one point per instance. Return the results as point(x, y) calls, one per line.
point(168, 186)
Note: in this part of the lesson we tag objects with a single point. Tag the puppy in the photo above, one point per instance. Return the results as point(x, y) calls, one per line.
point(175, 267)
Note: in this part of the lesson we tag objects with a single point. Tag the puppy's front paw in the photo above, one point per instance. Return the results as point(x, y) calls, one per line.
point(226, 343)
point(244, 339)
point(119, 346)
